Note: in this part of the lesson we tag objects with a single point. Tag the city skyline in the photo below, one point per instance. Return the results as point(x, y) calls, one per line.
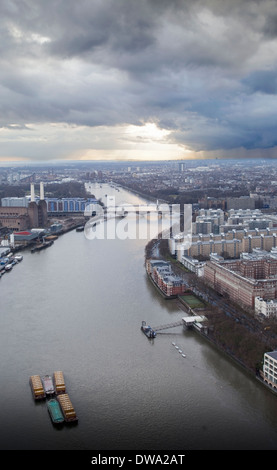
point(149, 80)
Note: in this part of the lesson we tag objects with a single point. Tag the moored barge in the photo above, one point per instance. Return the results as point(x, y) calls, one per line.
point(55, 411)
point(148, 331)
point(37, 387)
point(42, 246)
point(59, 382)
point(48, 384)
point(68, 410)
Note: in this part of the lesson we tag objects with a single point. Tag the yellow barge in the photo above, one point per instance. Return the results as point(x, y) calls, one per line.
point(59, 382)
point(68, 410)
point(37, 387)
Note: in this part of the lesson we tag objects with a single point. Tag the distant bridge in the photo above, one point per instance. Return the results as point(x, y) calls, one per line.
point(160, 208)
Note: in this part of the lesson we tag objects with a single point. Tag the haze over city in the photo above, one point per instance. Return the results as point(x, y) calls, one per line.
point(137, 80)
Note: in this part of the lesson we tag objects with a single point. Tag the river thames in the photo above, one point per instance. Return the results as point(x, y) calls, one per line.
point(77, 307)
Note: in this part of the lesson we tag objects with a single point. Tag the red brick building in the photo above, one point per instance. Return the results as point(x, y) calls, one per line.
point(164, 278)
point(243, 280)
point(15, 218)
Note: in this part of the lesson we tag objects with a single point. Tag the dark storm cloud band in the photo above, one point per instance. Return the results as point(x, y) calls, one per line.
point(202, 69)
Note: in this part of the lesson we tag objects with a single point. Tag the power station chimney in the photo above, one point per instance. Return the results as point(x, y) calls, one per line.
point(41, 191)
point(32, 192)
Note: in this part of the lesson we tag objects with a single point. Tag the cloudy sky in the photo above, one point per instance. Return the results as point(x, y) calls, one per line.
point(137, 79)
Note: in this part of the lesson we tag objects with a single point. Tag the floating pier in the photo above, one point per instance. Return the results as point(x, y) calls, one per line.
point(168, 325)
point(187, 322)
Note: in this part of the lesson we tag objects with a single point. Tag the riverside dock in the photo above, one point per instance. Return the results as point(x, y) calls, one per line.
point(194, 321)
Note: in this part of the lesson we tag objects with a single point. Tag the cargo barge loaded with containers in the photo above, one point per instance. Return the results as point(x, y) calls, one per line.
point(37, 387)
point(60, 409)
point(68, 410)
point(59, 383)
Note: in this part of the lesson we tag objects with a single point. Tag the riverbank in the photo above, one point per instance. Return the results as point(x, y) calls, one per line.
point(67, 225)
point(244, 346)
point(233, 336)
point(143, 195)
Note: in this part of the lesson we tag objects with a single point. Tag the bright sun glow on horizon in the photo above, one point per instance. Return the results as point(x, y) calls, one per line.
point(134, 142)
point(63, 141)
point(50, 142)
point(149, 130)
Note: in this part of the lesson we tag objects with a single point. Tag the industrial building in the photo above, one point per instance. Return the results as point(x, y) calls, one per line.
point(14, 218)
point(31, 212)
point(65, 206)
point(15, 201)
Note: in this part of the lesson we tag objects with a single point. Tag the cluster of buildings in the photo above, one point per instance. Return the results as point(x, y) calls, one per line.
point(231, 244)
point(235, 255)
point(222, 184)
point(243, 280)
point(243, 231)
point(213, 221)
point(164, 278)
point(24, 213)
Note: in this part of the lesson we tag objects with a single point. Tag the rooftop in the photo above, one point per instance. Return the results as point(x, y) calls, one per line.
point(272, 354)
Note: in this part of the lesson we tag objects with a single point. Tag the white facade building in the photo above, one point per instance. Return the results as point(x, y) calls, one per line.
point(270, 368)
point(194, 265)
point(264, 307)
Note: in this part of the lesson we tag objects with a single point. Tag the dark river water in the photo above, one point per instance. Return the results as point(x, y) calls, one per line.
point(77, 307)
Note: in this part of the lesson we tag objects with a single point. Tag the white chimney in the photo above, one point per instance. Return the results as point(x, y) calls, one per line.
point(41, 191)
point(32, 192)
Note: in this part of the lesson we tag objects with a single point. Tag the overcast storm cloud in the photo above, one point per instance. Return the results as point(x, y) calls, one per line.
point(74, 76)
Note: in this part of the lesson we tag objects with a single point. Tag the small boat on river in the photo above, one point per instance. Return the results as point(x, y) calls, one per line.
point(42, 246)
point(148, 331)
